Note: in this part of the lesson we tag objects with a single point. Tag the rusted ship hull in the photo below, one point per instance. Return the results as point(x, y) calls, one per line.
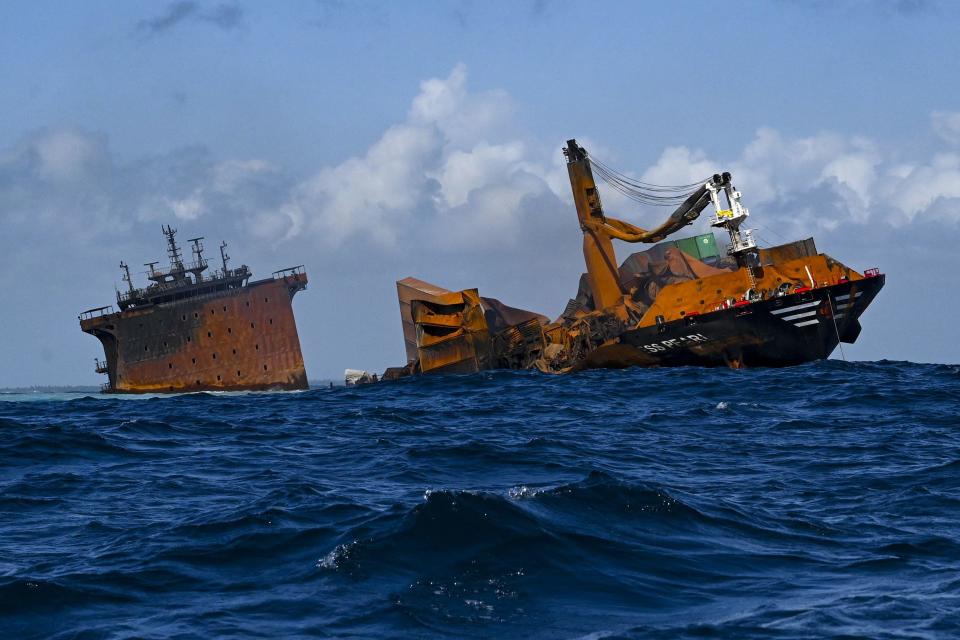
point(233, 340)
point(779, 332)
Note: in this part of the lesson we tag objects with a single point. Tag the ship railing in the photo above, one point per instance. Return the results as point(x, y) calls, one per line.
point(193, 266)
point(220, 274)
point(100, 366)
point(106, 388)
point(159, 288)
point(124, 296)
point(289, 272)
point(179, 268)
point(95, 313)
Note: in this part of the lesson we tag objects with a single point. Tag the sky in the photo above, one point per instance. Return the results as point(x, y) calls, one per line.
point(373, 141)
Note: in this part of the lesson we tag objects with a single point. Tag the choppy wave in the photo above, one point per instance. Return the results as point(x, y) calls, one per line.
point(819, 501)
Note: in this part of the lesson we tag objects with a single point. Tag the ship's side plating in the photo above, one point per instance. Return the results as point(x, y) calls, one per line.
point(778, 332)
point(241, 339)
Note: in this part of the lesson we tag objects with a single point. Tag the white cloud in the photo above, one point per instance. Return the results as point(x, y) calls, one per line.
point(924, 185)
point(371, 196)
point(188, 208)
point(680, 165)
point(449, 163)
point(823, 180)
point(455, 173)
point(465, 171)
point(463, 118)
point(946, 124)
point(67, 154)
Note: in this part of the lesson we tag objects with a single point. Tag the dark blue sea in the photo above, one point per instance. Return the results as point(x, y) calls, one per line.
point(821, 501)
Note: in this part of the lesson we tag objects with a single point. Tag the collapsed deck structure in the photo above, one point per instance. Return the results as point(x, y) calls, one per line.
point(192, 331)
point(678, 303)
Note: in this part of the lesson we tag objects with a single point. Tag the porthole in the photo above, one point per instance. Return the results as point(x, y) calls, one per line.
point(169, 365)
point(234, 352)
point(193, 360)
point(238, 374)
point(271, 320)
point(209, 334)
point(224, 308)
point(264, 367)
point(188, 338)
point(257, 347)
point(266, 300)
point(195, 314)
point(214, 356)
point(198, 383)
point(183, 317)
point(229, 330)
point(251, 325)
point(218, 378)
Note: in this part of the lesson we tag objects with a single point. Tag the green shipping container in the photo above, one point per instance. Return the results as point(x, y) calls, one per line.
point(689, 247)
point(699, 247)
point(707, 243)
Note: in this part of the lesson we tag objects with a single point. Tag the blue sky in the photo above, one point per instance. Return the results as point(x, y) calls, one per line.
point(372, 141)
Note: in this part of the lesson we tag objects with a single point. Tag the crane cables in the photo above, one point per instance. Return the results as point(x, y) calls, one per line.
point(644, 192)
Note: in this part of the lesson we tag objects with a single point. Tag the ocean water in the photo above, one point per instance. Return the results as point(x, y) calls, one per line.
point(821, 501)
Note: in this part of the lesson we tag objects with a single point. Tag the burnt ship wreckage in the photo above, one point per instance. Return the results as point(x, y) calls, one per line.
point(678, 303)
point(192, 331)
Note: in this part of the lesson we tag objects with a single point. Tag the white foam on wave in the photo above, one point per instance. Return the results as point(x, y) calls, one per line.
point(332, 560)
point(523, 492)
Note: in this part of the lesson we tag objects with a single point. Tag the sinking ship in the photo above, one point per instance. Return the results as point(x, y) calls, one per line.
point(681, 302)
point(190, 330)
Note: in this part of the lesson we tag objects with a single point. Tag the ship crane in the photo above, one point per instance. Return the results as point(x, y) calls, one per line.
point(599, 229)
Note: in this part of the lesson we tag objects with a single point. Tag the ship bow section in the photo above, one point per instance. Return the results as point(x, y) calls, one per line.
point(783, 331)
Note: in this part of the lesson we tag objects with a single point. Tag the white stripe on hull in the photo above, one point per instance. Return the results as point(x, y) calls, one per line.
point(805, 314)
point(847, 295)
point(795, 307)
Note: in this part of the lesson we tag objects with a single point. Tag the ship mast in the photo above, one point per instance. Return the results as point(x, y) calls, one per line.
point(223, 255)
point(126, 275)
point(173, 251)
point(199, 263)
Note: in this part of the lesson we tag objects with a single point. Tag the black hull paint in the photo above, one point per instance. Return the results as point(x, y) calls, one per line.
point(776, 332)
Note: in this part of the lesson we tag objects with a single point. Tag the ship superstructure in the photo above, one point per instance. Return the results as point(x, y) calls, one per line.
point(192, 330)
